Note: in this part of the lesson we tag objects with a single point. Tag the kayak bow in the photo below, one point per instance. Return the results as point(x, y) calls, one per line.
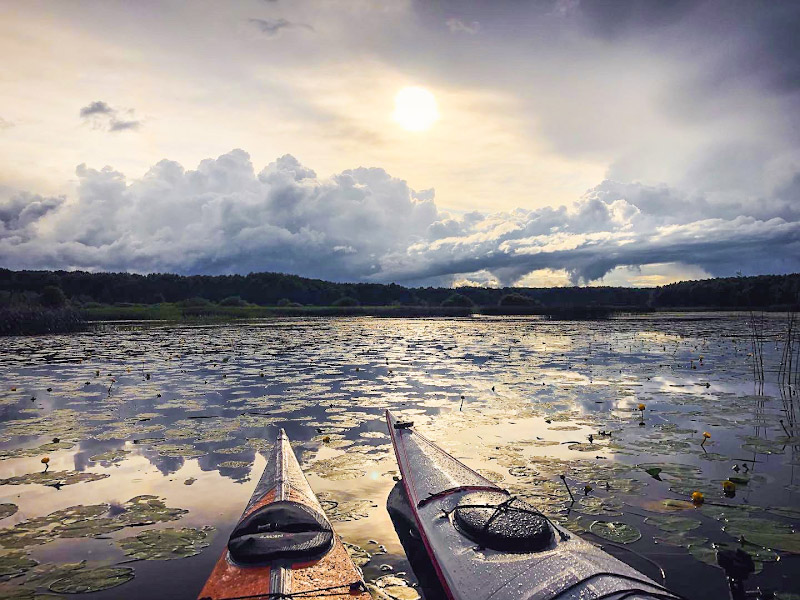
point(485, 543)
point(284, 545)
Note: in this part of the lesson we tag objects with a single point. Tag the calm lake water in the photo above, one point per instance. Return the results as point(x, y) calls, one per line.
point(184, 415)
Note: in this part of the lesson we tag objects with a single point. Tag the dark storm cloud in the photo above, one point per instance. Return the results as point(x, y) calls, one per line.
point(21, 211)
point(612, 18)
point(103, 116)
point(273, 27)
point(364, 225)
point(752, 39)
point(770, 48)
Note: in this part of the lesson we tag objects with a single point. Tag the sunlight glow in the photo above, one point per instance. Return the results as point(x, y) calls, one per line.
point(415, 109)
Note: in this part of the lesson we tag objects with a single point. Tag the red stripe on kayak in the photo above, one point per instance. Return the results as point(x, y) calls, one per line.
point(428, 548)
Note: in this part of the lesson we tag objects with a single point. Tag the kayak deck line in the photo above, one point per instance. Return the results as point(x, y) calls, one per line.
point(486, 544)
point(353, 588)
point(460, 488)
point(438, 488)
point(284, 546)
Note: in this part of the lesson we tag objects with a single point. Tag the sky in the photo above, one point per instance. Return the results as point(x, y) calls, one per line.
point(536, 143)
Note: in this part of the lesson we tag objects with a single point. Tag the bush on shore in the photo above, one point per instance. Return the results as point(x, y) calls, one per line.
point(21, 320)
point(516, 299)
point(232, 301)
point(457, 300)
point(345, 301)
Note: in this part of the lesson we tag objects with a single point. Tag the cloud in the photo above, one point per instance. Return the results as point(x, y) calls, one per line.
point(273, 27)
point(365, 225)
point(224, 217)
point(103, 116)
point(119, 125)
point(97, 107)
point(5, 124)
point(20, 212)
point(459, 26)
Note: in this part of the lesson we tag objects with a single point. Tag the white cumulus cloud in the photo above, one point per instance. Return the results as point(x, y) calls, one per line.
point(365, 225)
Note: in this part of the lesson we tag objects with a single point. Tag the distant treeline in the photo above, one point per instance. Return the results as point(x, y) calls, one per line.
point(80, 289)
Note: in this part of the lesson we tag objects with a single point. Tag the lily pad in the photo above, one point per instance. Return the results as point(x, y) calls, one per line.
point(360, 556)
point(39, 450)
point(704, 554)
point(669, 505)
point(44, 575)
point(110, 456)
point(673, 523)
point(18, 592)
point(15, 563)
point(82, 581)
point(342, 467)
point(394, 588)
point(584, 447)
point(676, 470)
point(741, 525)
point(7, 509)
point(233, 464)
point(88, 528)
point(377, 593)
point(401, 592)
point(53, 478)
point(761, 446)
point(146, 510)
point(88, 521)
point(348, 510)
point(166, 544)
point(790, 512)
point(592, 505)
point(180, 450)
point(615, 531)
point(67, 521)
point(786, 542)
point(654, 472)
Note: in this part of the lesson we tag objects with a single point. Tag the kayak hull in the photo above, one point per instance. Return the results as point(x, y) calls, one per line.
point(333, 572)
point(568, 568)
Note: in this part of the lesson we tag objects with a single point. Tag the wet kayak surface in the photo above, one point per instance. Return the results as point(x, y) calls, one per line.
point(163, 432)
point(284, 545)
point(512, 551)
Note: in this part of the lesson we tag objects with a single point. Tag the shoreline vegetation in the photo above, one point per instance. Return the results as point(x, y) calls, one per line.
point(37, 302)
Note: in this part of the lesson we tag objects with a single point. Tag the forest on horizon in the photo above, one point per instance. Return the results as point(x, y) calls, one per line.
point(80, 288)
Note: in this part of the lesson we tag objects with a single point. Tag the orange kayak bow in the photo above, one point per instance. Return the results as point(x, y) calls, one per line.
point(284, 546)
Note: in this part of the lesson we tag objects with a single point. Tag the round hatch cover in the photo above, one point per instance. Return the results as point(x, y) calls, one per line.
point(501, 522)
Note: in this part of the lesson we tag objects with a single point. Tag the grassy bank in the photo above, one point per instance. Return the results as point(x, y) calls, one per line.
point(175, 312)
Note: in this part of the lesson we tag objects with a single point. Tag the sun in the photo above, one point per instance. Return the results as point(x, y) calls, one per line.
point(415, 109)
